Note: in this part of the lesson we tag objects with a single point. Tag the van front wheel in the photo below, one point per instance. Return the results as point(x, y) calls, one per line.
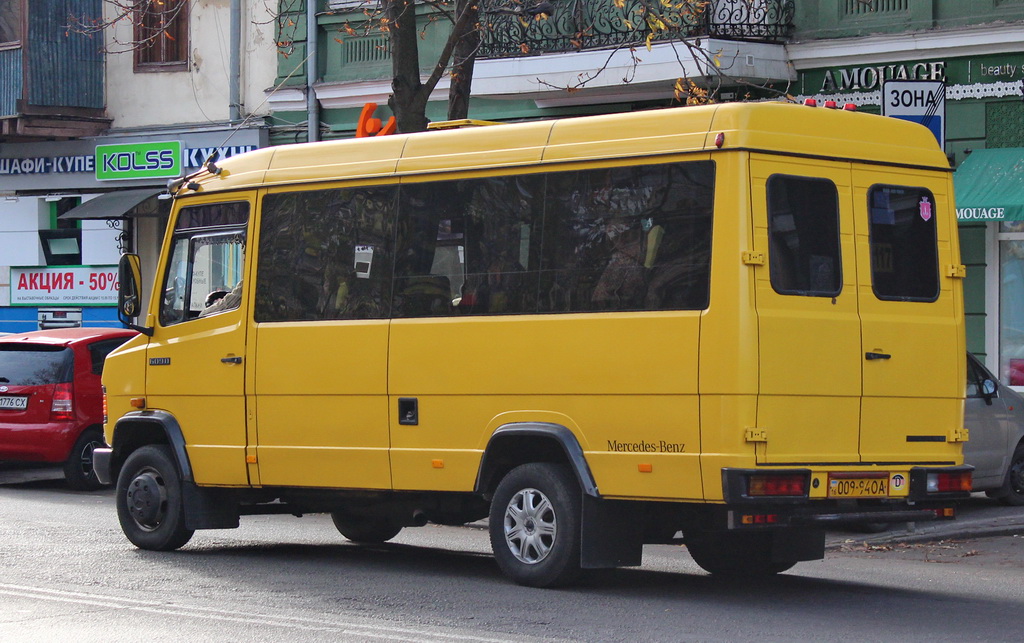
point(535, 525)
point(149, 500)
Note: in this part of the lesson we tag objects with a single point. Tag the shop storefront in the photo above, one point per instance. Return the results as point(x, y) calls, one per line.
point(69, 209)
point(984, 130)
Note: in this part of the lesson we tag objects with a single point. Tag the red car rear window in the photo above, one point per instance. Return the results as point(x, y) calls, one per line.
point(35, 365)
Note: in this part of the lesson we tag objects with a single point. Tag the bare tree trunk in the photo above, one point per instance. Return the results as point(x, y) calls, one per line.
point(467, 43)
point(409, 100)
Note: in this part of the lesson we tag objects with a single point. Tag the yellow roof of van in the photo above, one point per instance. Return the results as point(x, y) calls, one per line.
point(775, 127)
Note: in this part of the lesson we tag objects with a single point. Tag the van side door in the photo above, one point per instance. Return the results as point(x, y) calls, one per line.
point(323, 284)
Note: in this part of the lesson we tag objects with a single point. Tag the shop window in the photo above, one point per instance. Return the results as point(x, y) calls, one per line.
point(1011, 302)
point(803, 236)
point(62, 247)
point(10, 22)
point(161, 36)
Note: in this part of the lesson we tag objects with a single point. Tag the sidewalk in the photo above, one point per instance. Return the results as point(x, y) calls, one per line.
point(1004, 521)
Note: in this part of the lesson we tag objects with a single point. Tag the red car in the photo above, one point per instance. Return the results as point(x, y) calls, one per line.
point(51, 402)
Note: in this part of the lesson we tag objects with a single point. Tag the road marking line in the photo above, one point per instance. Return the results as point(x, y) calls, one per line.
point(340, 627)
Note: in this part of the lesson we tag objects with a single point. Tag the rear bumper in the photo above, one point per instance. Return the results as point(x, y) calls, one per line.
point(50, 442)
point(914, 503)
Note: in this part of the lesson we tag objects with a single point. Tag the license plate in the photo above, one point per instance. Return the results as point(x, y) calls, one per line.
point(858, 486)
point(13, 402)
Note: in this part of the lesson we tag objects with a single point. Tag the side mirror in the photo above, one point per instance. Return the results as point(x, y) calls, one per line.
point(988, 387)
point(988, 391)
point(129, 292)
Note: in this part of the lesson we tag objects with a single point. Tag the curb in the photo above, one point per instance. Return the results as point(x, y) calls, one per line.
point(981, 529)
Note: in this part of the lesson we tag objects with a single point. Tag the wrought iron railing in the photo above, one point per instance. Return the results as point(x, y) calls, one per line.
point(531, 27)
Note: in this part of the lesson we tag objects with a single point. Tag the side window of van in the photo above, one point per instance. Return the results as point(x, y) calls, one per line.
point(628, 238)
point(904, 248)
point(468, 247)
point(803, 236)
point(204, 274)
point(325, 254)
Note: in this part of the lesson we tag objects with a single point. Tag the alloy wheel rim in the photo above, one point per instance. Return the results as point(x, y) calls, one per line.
point(530, 526)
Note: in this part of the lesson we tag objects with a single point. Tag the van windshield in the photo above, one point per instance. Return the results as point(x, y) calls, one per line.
point(35, 365)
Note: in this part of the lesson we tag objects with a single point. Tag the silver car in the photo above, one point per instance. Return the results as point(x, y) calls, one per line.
point(994, 416)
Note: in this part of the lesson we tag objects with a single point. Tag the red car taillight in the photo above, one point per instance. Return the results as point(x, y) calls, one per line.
point(63, 402)
point(777, 485)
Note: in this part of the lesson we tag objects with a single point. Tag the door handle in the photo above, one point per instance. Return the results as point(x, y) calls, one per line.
point(871, 356)
point(231, 360)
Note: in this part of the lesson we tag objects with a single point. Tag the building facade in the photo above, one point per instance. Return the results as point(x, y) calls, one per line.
point(530, 66)
point(93, 126)
point(846, 50)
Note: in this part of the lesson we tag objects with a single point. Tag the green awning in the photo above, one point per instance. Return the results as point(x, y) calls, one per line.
point(990, 185)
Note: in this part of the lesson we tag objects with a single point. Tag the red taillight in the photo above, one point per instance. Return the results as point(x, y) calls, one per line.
point(62, 407)
point(777, 485)
point(949, 482)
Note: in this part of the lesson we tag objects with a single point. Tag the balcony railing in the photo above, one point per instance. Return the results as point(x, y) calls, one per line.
point(517, 28)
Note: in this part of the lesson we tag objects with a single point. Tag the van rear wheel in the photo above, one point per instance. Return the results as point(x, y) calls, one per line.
point(149, 500)
point(369, 530)
point(735, 554)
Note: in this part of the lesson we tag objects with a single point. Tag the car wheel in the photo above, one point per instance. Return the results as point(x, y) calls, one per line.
point(734, 554)
point(535, 525)
point(78, 469)
point(149, 500)
point(366, 529)
point(1012, 492)
point(870, 527)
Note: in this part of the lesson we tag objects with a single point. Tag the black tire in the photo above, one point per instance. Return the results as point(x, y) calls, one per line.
point(735, 554)
point(1012, 492)
point(149, 500)
point(368, 530)
point(535, 525)
point(871, 527)
point(78, 469)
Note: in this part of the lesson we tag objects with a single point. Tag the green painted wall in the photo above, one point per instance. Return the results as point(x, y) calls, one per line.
point(846, 18)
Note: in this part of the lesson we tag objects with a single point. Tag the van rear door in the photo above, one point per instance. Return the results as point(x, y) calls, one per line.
point(913, 359)
point(809, 352)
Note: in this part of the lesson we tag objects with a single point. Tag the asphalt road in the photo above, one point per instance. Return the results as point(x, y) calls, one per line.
point(68, 573)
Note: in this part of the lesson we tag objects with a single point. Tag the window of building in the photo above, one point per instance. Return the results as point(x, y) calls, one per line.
point(10, 22)
point(161, 35)
point(1011, 303)
point(803, 236)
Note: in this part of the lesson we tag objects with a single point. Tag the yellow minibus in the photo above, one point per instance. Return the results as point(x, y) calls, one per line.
point(730, 326)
